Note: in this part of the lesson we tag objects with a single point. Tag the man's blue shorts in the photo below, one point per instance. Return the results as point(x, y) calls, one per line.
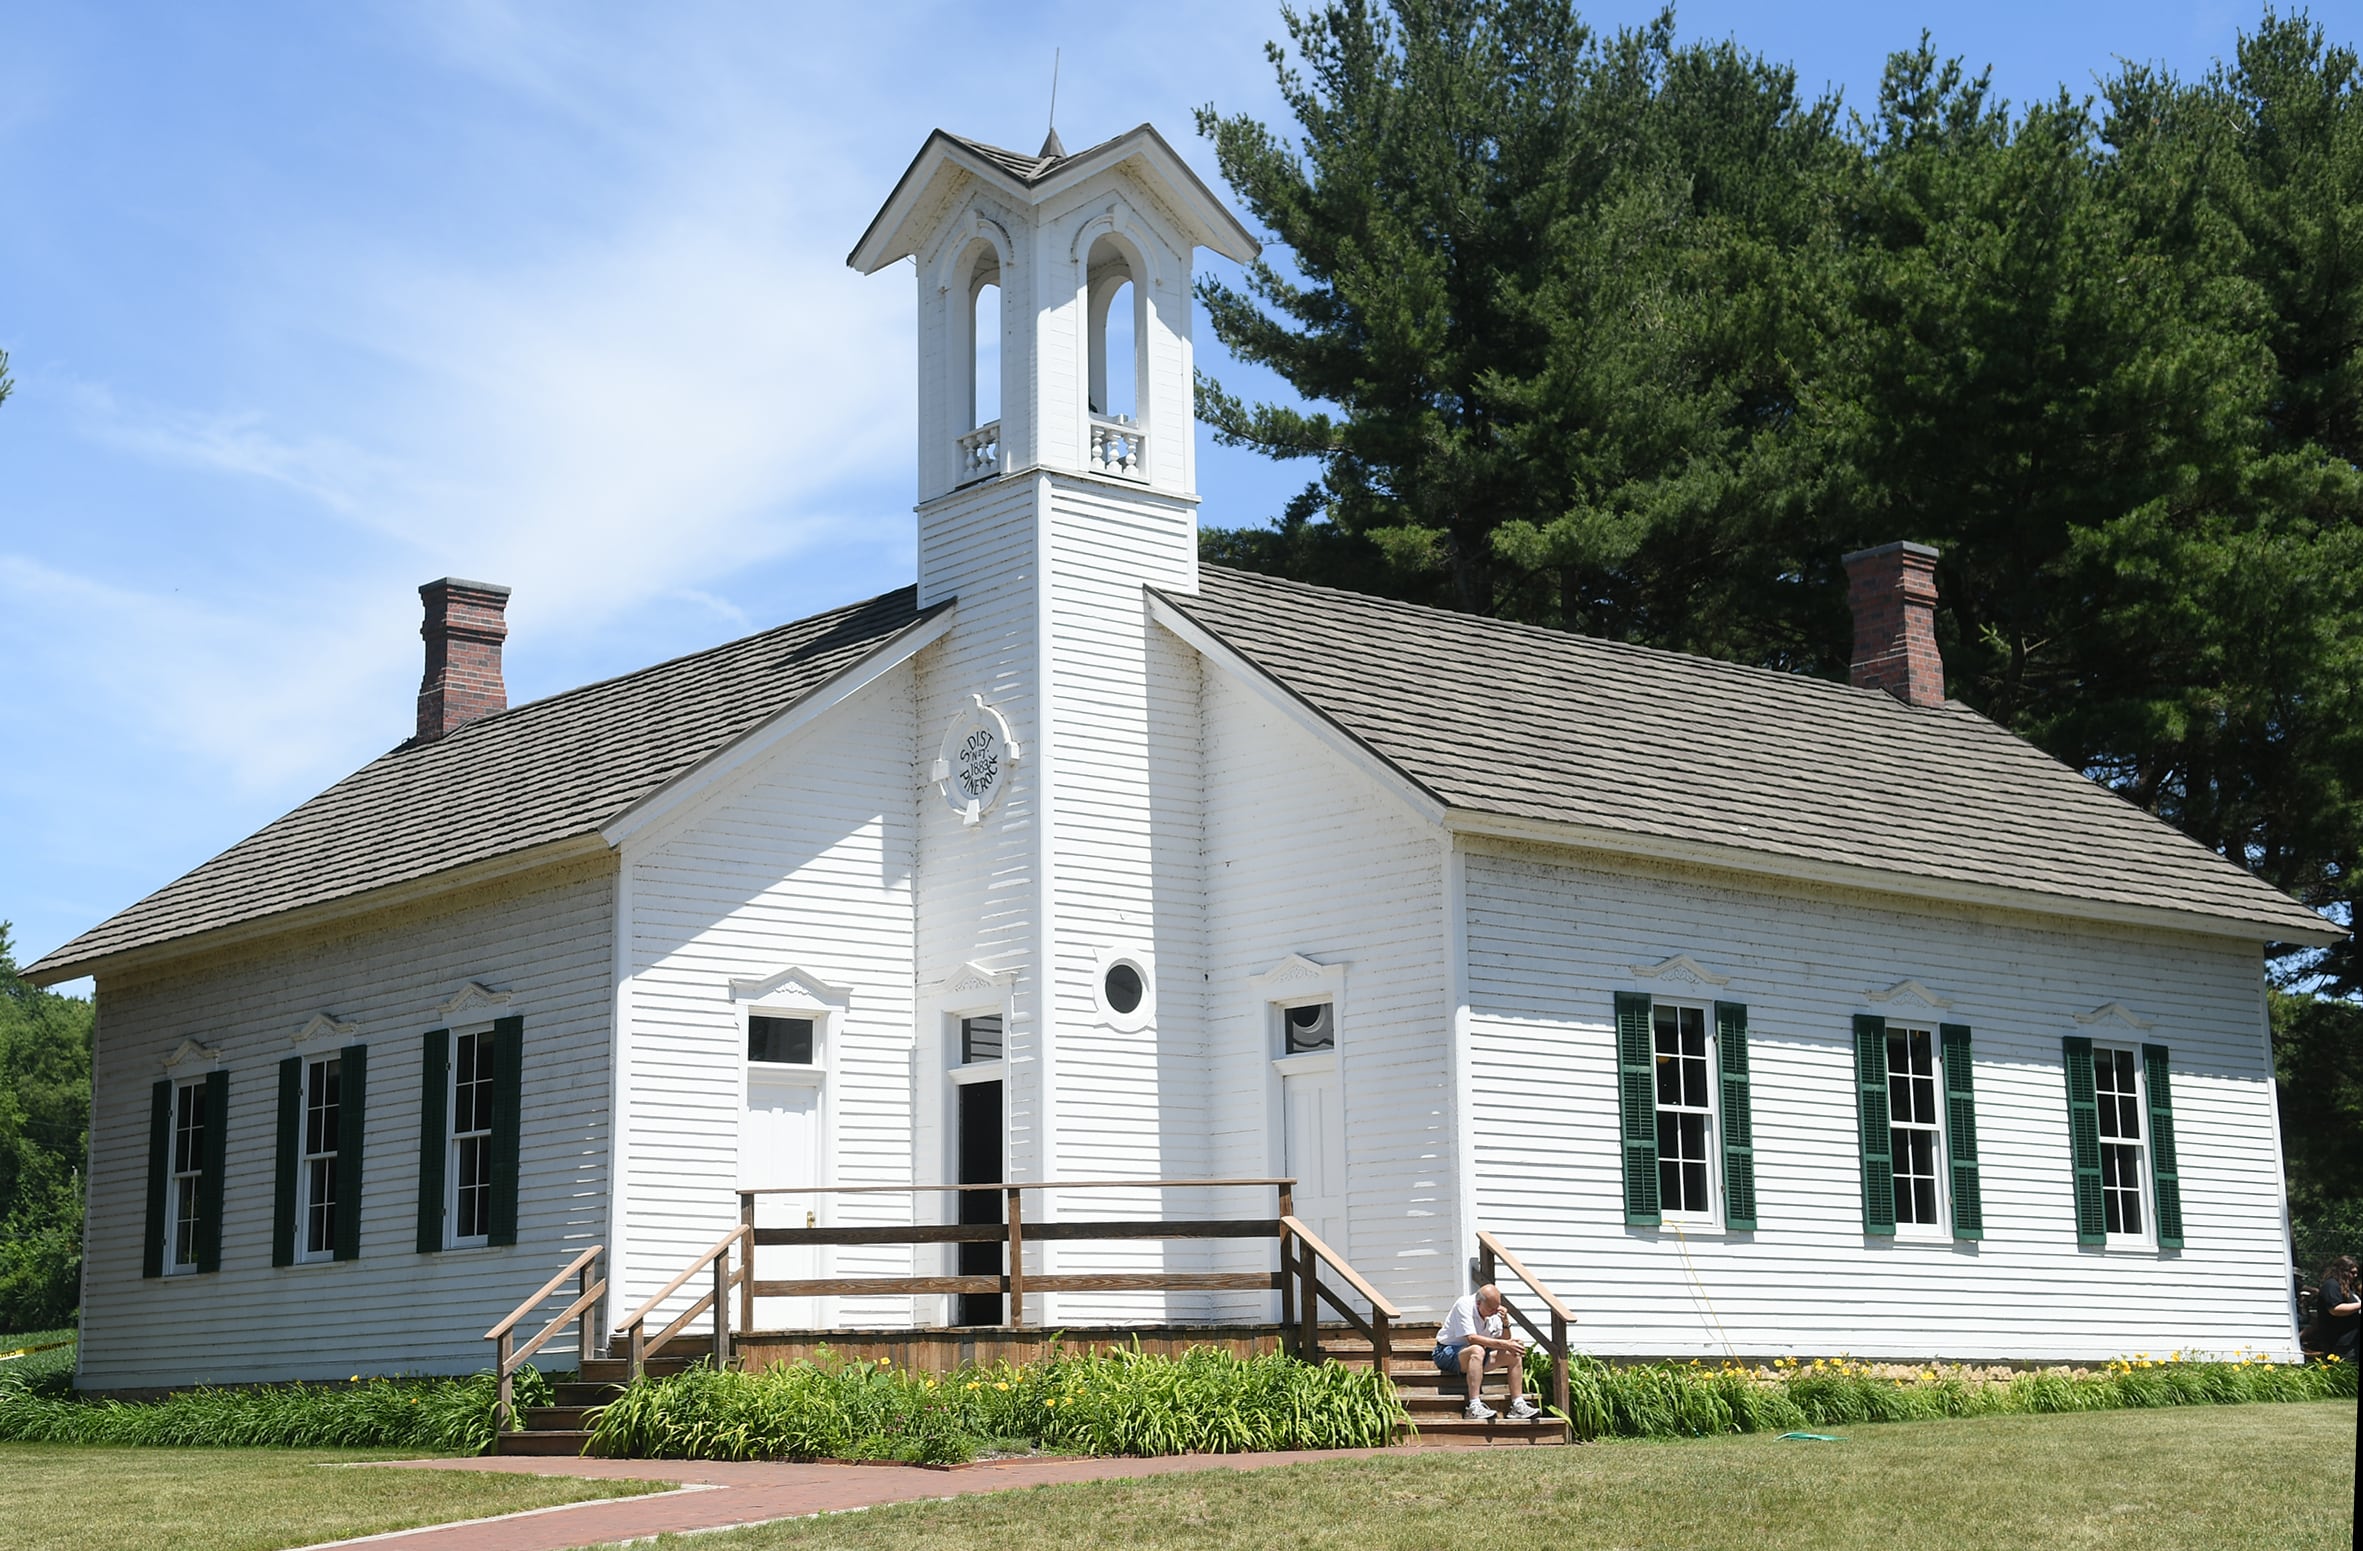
point(1448, 1356)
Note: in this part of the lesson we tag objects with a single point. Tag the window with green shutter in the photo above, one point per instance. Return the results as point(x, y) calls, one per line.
point(434, 1140)
point(1739, 1133)
point(352, 1108)
point(2165, 1176)
point(187, 1135)
point(1637, 1102)
point(159, 1176)
point(1872, 1111)
point(216, 1166)
point(284, 1193)
point(1969, 1212)
point(2084, 1153)
point(508, 1040)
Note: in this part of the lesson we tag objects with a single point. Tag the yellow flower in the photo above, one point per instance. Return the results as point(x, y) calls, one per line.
point(1000, 1386)
point(972, 1384)
point(355, 1379)
point(1049, 1405)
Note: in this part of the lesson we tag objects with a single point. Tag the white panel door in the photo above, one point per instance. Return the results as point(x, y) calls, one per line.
point(779, 1143)
point(1316, 1148)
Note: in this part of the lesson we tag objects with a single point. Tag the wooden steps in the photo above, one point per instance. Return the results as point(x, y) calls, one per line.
point(1437, 1400)
point(558, 1429)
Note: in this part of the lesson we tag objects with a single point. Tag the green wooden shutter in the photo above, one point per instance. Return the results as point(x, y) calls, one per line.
point(1739, 1130)
point(434, 1141)
point(1636, 1075)
point(291, 1158)
point(508, 1071)
point(1878, 1146)
point(1969, 1210)
point(352, 1108)
point(217, 1157)
point(159, 1176)
point(2092, 1224)
point(2163, 1174)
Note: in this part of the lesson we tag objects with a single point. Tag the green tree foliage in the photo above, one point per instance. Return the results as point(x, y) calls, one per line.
point(1555, 286)
point(2067, 373)
point(44, 1128)
point(2318, 1056)
point(1622, 335)
point(7, 383)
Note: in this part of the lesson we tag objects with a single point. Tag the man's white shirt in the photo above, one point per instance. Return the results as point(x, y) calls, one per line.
point(1462, 1321)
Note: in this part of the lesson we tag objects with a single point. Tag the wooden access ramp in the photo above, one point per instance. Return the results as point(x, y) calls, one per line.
point(1328, 1311)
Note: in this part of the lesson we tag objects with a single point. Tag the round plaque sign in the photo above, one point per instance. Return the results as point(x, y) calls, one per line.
point(973, 767)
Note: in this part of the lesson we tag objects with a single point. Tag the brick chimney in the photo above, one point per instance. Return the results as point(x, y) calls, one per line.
point(466, 623)
point(1893, 590)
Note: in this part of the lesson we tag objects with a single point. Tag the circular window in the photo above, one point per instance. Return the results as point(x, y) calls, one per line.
point(1123, 987)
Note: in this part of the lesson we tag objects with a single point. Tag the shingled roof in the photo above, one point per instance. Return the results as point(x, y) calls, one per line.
point(550, 770)
point(1515, 720)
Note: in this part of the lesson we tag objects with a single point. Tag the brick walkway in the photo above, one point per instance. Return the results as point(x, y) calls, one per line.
point(719, 1495)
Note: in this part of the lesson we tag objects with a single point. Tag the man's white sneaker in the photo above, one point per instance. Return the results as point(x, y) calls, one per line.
point(1479, 1411)
point(1522, 1409)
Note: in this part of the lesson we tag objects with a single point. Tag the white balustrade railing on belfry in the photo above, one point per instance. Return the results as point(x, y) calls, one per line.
point(980, 453)
point(1116, 448)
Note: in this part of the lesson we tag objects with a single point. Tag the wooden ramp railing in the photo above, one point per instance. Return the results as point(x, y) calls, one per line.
point(508, 1357)
point(1492, 1259)
point(1297, 1279)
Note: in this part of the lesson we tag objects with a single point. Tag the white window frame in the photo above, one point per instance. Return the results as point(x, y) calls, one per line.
point(179, 1181)
point(1712, 1216)
point(453, 1136)
point(2143, 1194)
point(305, 1252)
point(1941, 1227)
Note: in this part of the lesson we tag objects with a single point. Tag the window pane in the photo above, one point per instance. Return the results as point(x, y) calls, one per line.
point(320, 1218)
point(780, 1039)
point(981, 1038)
point(1310, 1028)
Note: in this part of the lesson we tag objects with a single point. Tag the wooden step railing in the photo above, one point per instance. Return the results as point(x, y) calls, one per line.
point(717, 1298)
point(1300, 1245)
point(1492, 1259)
point(508, 1357)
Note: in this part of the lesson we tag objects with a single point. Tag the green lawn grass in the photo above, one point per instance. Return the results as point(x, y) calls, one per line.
point(2279, 1476)
point(57, 1497)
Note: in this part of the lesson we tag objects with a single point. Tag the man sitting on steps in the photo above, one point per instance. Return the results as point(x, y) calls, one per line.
point(1476, 1336)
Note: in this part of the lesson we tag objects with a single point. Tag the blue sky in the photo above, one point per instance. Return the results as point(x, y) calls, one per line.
point(310, 304)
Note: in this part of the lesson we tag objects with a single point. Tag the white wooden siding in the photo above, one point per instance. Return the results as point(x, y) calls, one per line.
point(1123, 766)
point(1550, 943)
point(1306, 855)
point(542, 938)
point(804, 863)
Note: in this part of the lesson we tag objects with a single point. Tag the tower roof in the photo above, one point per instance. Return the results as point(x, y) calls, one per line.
point(901, 225)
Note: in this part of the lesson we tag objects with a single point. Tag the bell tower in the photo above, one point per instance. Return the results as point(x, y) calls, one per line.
point(1057, 482)
point(1054, 308)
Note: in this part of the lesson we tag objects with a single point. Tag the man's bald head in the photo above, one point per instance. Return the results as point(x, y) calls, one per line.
point(1488, 1299)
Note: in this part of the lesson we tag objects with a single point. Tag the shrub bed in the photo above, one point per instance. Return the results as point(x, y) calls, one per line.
point(1120, 1402)
point(1696, 1400)
point(444, 1416)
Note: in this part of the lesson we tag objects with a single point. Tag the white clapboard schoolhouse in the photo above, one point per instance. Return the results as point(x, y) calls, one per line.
point(1753, 1013)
